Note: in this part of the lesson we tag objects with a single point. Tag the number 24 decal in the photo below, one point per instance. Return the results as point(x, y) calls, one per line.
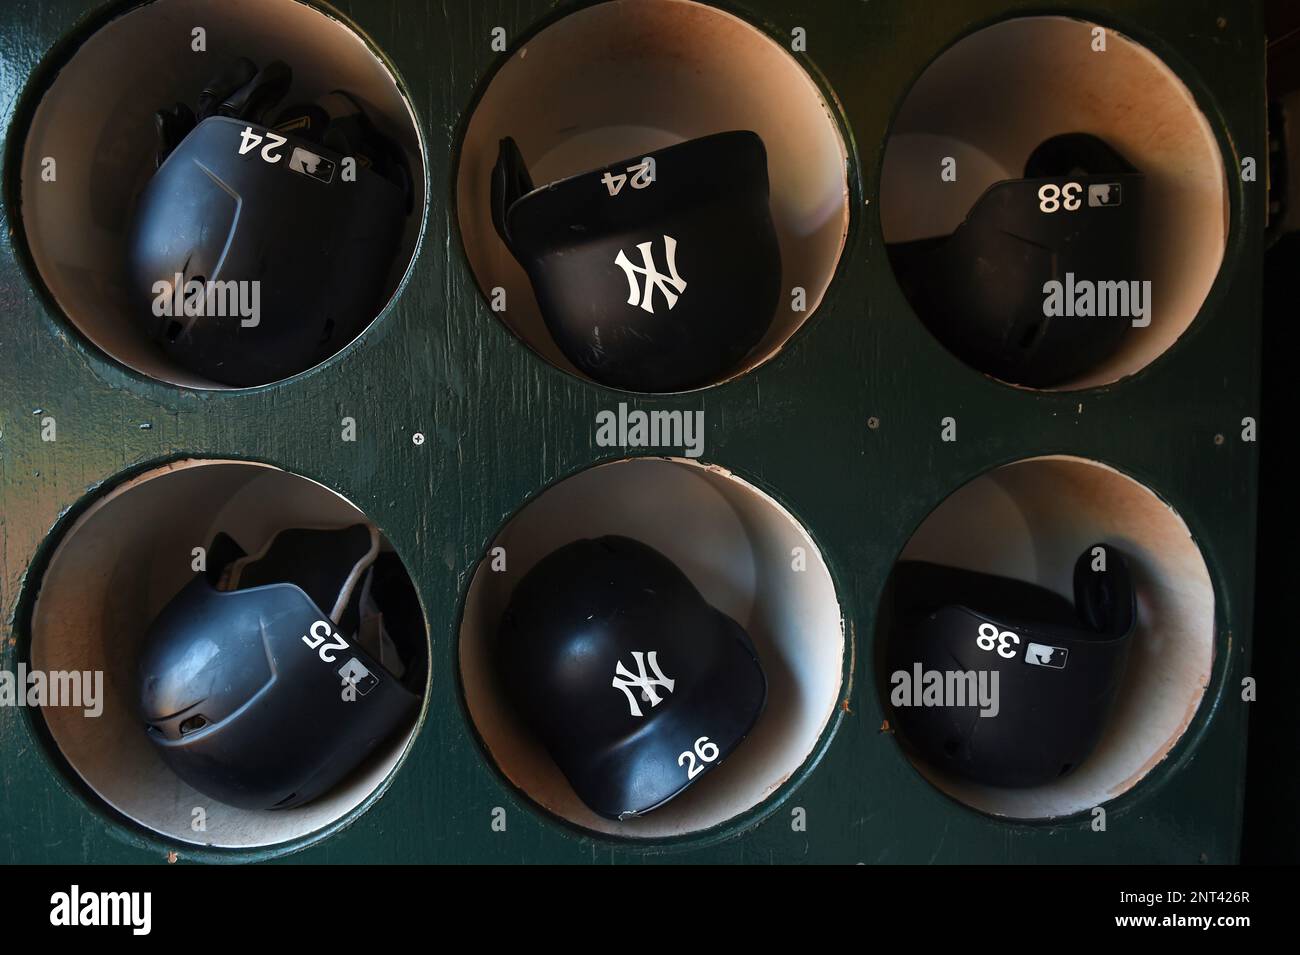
point(705, 749)
point(249, 140)
point(990, 637)
point(642, 175)
point(320, 632)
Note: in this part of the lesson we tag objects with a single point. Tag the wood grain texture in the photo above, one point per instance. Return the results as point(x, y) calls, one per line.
point(502, 425)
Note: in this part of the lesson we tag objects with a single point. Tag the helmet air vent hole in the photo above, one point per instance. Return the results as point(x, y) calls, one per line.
point(193, 724)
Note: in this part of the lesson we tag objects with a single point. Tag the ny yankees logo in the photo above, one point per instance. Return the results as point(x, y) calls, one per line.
point(625, 681)
point(672, 284)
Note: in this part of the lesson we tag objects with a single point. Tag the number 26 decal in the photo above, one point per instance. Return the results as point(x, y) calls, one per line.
point(706, 751)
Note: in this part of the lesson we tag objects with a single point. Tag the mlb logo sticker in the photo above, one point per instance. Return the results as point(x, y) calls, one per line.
point(1105, 194)
point(1041, 655)
point(355, 672)
point(309, 164)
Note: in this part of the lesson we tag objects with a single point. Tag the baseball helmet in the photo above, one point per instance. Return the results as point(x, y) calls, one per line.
point(1076, 215)
point(633, 682)
point(657, 273)
point(254, 253)
point(1059, 665)
point(266, 680)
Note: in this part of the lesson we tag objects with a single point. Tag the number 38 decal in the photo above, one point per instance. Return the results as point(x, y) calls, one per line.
point(1004, 641)
point(1052, 197)
point(705, 750)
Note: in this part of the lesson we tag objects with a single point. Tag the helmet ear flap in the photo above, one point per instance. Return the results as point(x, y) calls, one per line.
point(1104, 598)
point(242, 91)
point(327, 565)
point(510, 181)
point(366, 615)
point(222, 85)
point(252, 100)
point(222, 552)
point(1074, 154)
point(350, 132)
point(171, 124)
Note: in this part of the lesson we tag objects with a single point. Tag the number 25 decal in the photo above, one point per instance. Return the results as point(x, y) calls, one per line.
point(990, 637)
point(249, 140)
point(705, 749)
point(320, 632)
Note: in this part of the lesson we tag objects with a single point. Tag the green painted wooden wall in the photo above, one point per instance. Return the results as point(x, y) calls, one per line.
point(503, 424)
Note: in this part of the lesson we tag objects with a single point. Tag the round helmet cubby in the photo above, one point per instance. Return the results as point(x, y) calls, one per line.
point(1084, 600)
point(1054, 202)
point(743, 553)
point(260, 150)
point(618, 134)
point(159, 585)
